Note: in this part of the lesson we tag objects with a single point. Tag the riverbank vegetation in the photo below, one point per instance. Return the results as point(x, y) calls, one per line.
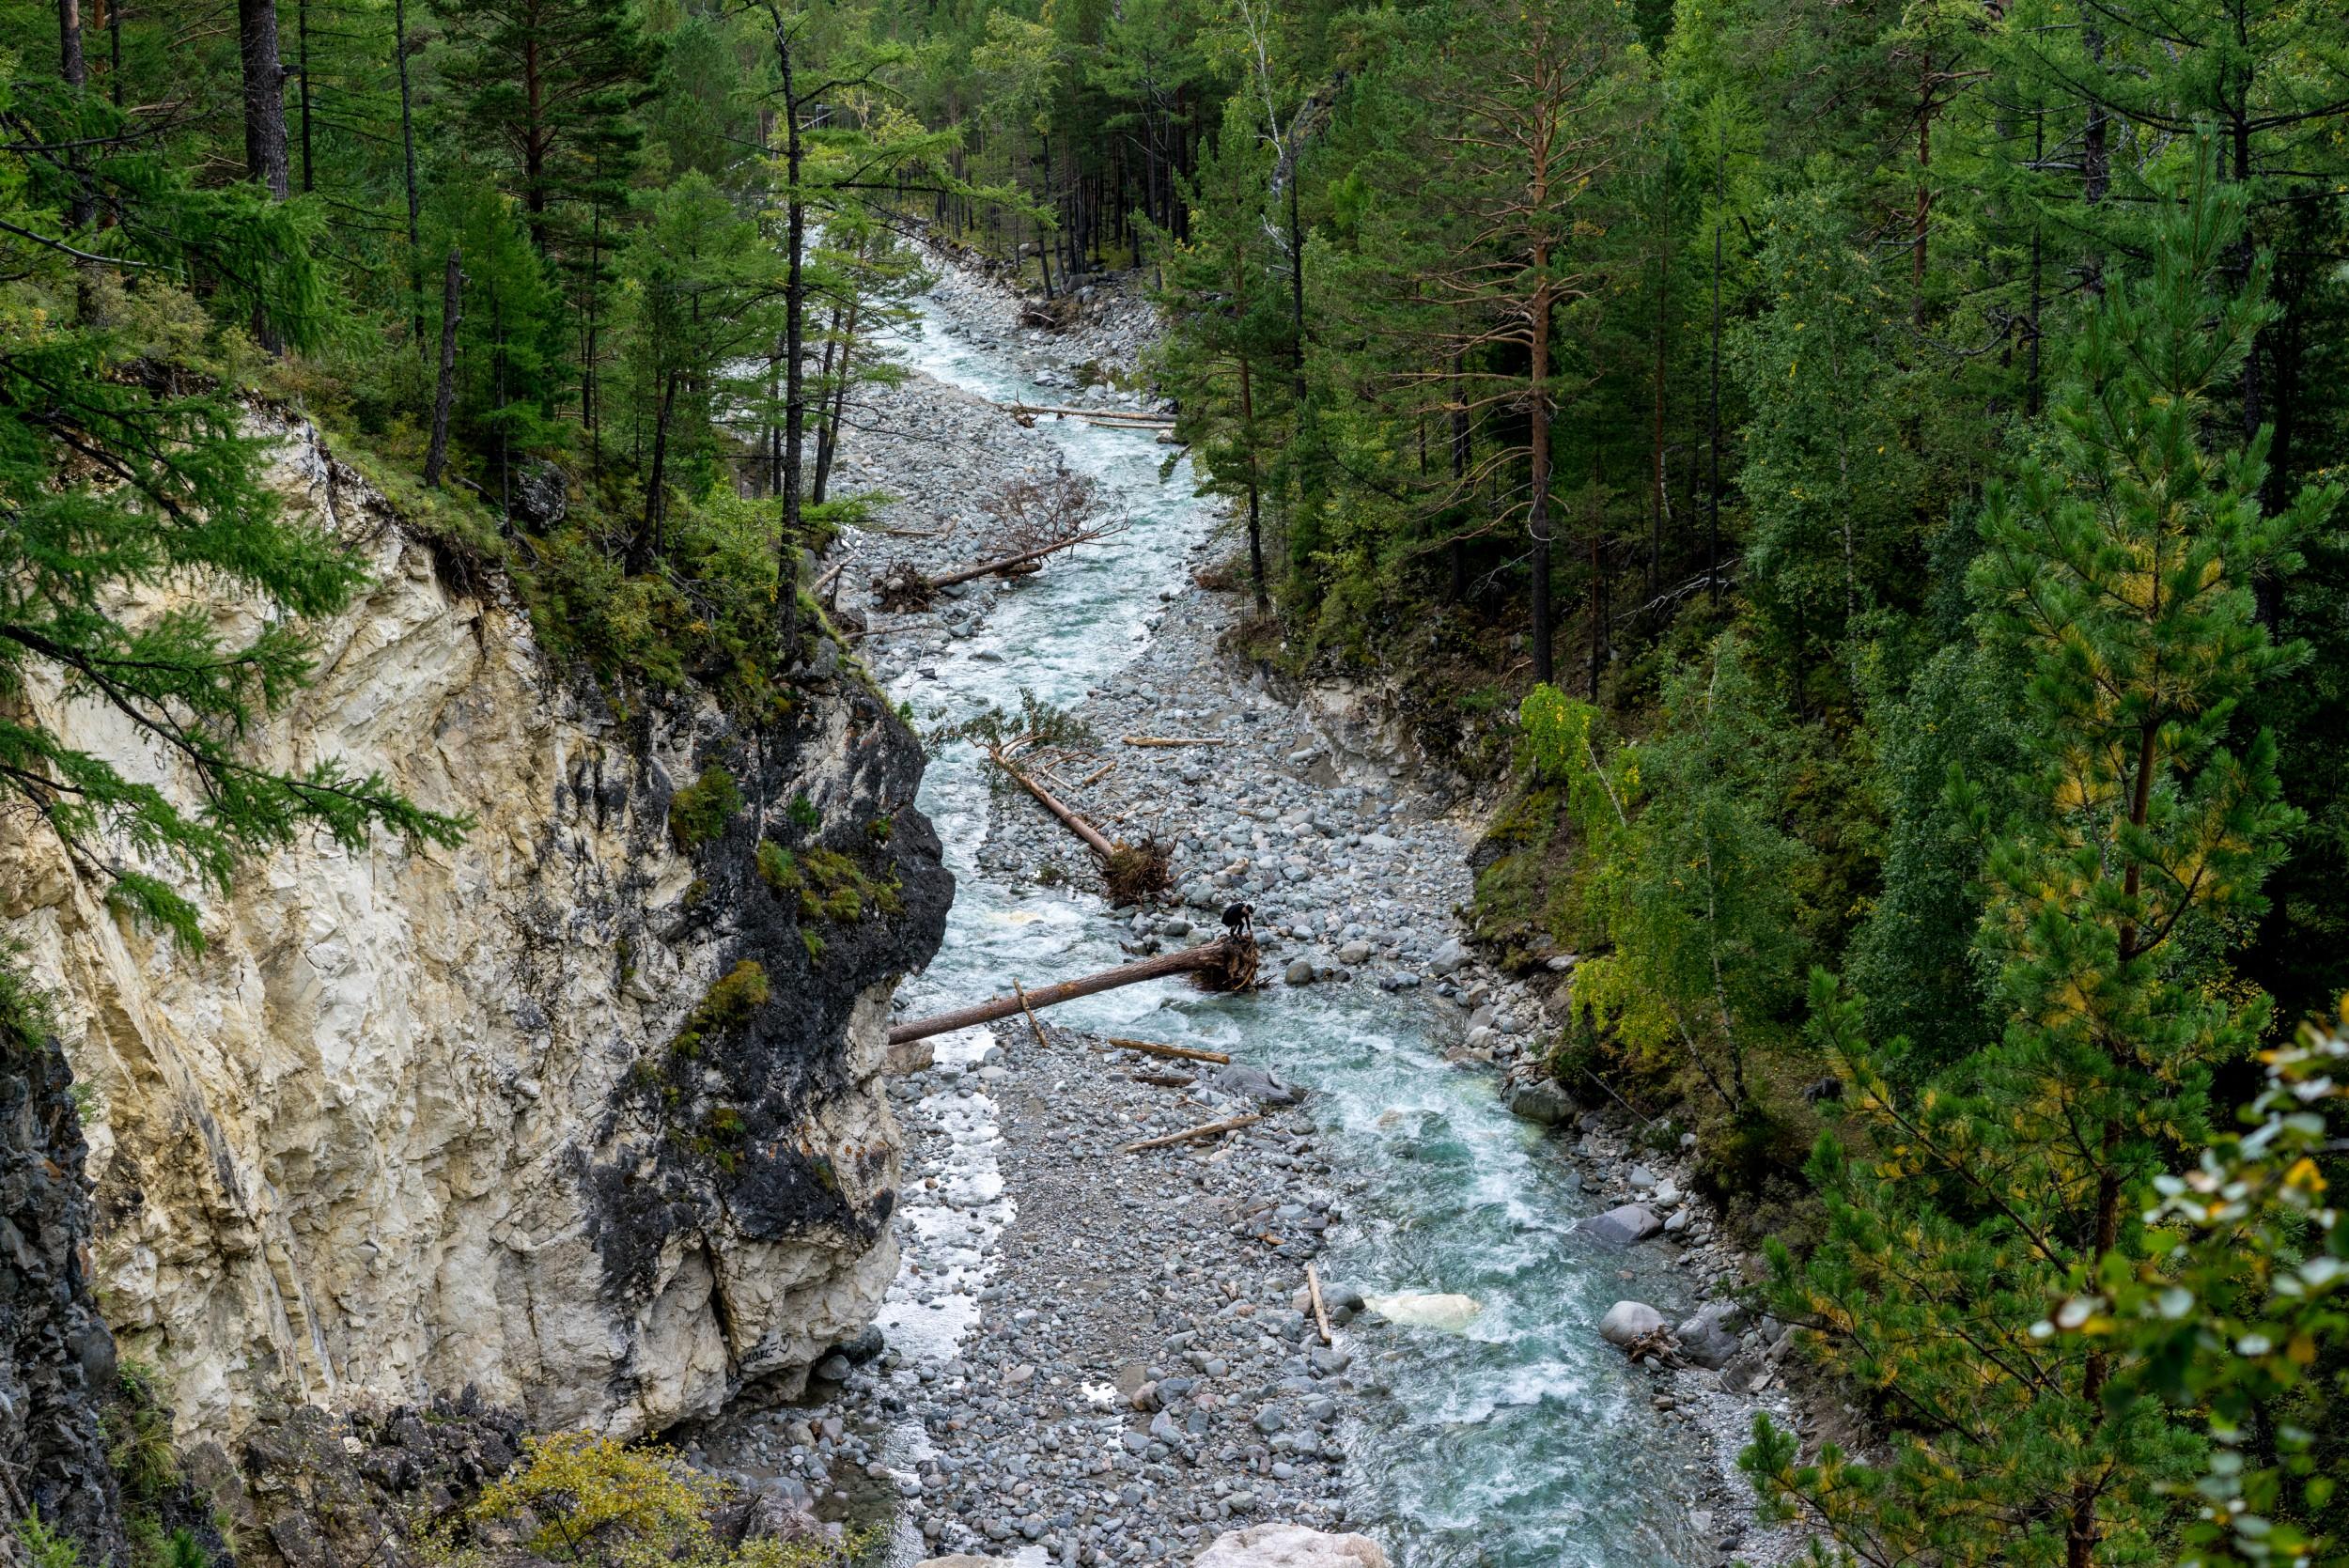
point(1859, 476)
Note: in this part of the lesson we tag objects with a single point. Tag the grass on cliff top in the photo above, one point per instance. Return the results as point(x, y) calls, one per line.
point(704, 616)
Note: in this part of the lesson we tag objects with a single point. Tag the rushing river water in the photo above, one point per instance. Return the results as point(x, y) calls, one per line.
point(1522, 1441)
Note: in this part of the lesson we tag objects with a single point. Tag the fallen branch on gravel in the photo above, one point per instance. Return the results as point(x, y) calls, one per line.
point(1034, 1026)
point(1098, 774)
point(1191, 1135)
point(1321, 1313)
point(1227, 965)
point(1175, 740)
point(1178, 1054)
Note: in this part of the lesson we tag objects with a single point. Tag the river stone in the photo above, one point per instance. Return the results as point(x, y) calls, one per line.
point(962, 1560)
point(1449, 957)
point(1628, 1322)
point(1299, 972)
point(1354, 953)
point(1623, 1225)
point(1256, 1084)
point(1290, 1547)
point(1706, 1338)
point(1542, 1102)
point(1419, 1310)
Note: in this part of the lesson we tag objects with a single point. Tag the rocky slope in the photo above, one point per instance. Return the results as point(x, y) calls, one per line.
point(422, 1121)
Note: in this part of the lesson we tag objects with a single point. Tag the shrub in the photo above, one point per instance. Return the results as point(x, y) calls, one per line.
point(727, 1007)
point(700, 811)
point(596, 1499)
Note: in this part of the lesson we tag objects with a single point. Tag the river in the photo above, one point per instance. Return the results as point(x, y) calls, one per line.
point(1522, 1441)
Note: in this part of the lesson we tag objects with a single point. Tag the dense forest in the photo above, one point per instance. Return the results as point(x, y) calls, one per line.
point(1855, 477)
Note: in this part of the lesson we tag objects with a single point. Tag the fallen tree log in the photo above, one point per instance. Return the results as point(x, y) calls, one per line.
point(1179, 1053)
point(901, 585)
point(1137, 416)
point(1095, 839)
point(1191, 1135)
point(1227, 965)
point(1133, 873)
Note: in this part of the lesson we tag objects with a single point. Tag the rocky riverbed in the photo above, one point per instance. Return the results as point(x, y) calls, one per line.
point(1102, 1357)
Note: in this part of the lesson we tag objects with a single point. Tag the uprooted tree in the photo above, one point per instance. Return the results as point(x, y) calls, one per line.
point(1131, 873)
point(1031, 519)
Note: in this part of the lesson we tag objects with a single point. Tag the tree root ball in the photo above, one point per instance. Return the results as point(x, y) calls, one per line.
point(1234, 968)
point(1137, 873)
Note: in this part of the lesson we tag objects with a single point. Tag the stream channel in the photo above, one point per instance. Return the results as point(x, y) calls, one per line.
point(1523, 1440)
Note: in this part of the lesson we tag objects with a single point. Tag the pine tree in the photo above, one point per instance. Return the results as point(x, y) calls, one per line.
point(2117, 567)
point(553, 84)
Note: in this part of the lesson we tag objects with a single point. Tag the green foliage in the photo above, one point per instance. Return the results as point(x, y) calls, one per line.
point(137, 1429)
point(119, 486)
point(824, 884)
point(45, 1547)
point(700, 811)
point(727, 1007)
point(1691, 878)
point(1037, 724)
point(2238, 1298)
point(597, 1500)
point(2116, 569)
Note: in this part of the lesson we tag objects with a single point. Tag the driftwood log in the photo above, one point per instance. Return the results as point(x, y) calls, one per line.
point(1176, 1053)
point(1228, 964)
point(1133, 873)
point(1321, 1312)
point(1191, 1135)
point(1119, 416)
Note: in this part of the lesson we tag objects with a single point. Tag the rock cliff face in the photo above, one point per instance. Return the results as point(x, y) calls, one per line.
point(420, 1120)
point(56, 1364)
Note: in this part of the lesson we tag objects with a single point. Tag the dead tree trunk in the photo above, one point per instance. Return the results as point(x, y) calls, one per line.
point(1095, 839)
point(903, 585)
point(1227, 965)
point(445, 395)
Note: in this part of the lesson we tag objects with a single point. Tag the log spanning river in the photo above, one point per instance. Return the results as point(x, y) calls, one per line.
point(1521, 1439)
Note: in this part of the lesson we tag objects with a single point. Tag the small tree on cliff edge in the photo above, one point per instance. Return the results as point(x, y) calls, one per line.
point(2119, 564)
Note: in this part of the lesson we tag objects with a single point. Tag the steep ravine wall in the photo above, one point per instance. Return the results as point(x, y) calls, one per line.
point(414, 1120)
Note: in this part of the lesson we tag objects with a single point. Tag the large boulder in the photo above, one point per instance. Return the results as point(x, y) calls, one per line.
point(1627, 1323)
point(1290, 1547)
point(1256, 1083)
point(1622, 1226)
point(1542, 1102)
point(1708, 1338)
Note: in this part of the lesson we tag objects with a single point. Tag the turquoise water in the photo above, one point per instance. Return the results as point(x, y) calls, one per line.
point(1522, 1441)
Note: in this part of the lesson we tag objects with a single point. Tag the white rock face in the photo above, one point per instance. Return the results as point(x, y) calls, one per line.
point(379, 1139)
point(1290, 1547)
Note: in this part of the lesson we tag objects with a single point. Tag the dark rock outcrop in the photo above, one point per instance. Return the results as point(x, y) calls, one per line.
point(57, 1360)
